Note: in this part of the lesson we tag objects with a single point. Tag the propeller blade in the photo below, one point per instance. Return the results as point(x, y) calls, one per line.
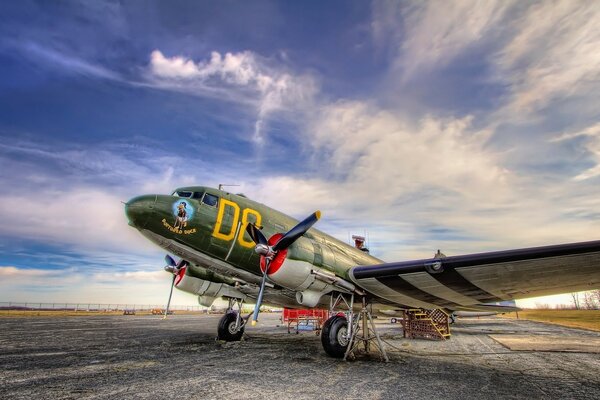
point(260, 293)
point(256, 235)
point(293, 234)
point(170, 294)
point(169, 260)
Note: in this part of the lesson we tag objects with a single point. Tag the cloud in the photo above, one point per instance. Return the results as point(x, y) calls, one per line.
point(421, 185)
point(59, 278)
point(60, 58)
point(6, 272)
point(67, 285)
point(70, 62)
point(138, 276)
point(73, 196)
point(85, 216)
point(239, 77)
point(119, 168)
point(397, 178)
point(552, 54)
point(62, 207)
point(591, 134)
point(380, 150)
point(428, 36)
point(529, 56)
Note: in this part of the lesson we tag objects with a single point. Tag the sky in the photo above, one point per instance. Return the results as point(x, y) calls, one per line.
point(464, 126)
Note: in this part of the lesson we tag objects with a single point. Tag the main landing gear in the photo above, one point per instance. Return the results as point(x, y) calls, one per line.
point(344, 333)
point(231, 326)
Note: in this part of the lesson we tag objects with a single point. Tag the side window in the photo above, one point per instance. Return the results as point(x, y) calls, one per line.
point(210, 200)
point(197, 195)
point(184, 194)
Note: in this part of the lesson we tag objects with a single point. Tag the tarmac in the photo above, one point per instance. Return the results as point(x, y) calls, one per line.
point(144, 357)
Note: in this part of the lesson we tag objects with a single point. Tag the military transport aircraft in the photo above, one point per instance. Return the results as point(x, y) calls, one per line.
point(232, 247)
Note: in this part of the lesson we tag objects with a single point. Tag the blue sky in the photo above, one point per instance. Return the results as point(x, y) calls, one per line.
point(465, 126)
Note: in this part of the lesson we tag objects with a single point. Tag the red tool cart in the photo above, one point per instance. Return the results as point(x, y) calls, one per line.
point(304, 320)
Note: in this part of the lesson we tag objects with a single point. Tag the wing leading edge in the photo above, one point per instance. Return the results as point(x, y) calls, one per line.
point(466, 282)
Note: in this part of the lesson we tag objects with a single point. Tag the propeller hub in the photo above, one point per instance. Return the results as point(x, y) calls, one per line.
point(264, 250)
point(171, 269)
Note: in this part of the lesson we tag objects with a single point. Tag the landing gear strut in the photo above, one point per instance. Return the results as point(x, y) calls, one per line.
point(231, 326)
point(342, 334)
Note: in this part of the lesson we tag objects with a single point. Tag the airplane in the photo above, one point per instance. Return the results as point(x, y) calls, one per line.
point(235, 248)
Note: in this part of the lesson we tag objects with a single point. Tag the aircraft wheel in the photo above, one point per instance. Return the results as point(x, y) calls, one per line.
point(394, 320)
point(333, 336)
point(226, 330)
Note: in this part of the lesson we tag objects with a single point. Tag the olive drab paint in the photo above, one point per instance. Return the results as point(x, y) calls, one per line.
point(228, 236)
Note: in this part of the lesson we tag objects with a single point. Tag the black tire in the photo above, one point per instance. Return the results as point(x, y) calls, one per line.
point(394, 320)
point(332, 336)
point(226, 330)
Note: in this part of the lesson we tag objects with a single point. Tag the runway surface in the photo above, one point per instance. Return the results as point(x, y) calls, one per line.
point(144, 357)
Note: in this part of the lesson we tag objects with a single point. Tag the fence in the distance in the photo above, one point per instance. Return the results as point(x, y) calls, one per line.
point(11, 305)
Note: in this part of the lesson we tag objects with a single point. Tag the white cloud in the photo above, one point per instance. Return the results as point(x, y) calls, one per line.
point(404, 181)
point(592, 146)
point(7, 272)
point(552, 54)
point(240, 77)
point(85, 216)
point(60, 58)
point(425, 36)
point(138, 276)
point(147, 287)
point(12, 276)
point(391, 155)
point(538, 52)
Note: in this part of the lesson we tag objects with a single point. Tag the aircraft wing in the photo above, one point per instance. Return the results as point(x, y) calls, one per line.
point(467, 282)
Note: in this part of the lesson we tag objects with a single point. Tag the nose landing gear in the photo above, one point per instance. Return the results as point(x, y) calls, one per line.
point(231, 326)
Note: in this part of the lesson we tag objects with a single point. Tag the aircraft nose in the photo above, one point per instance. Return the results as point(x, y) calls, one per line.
point(139, 209)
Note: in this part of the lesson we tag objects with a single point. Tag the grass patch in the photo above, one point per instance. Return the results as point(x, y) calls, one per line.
point(586, 319)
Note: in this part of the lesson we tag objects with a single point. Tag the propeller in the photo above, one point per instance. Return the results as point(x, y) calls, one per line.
point(276, 246)
point(175, 269)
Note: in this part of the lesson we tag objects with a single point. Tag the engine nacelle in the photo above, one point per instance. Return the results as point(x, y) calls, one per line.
point(309, 298)
point(207, 291)
point(297, 275)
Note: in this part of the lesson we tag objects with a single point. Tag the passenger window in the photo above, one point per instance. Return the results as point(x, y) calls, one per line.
point(210, 200)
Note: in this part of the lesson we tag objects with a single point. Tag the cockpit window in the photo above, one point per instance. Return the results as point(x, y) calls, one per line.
point(197, 195)
point(210, 199)
point(182, 193)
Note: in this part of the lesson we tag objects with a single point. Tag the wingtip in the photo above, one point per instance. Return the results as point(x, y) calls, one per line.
point(318, 214)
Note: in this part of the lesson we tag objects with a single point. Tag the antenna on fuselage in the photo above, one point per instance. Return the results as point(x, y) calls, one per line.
point(222, 185)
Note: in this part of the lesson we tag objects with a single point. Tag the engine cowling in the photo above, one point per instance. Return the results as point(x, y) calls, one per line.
point(309, 298)
point(207, 291)
point(287, 269)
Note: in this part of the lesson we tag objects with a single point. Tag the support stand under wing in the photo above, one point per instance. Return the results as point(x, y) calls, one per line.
point(364, 332)
point(361, 331)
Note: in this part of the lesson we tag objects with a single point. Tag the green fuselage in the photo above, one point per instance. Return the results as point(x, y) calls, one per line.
point(213, 222)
